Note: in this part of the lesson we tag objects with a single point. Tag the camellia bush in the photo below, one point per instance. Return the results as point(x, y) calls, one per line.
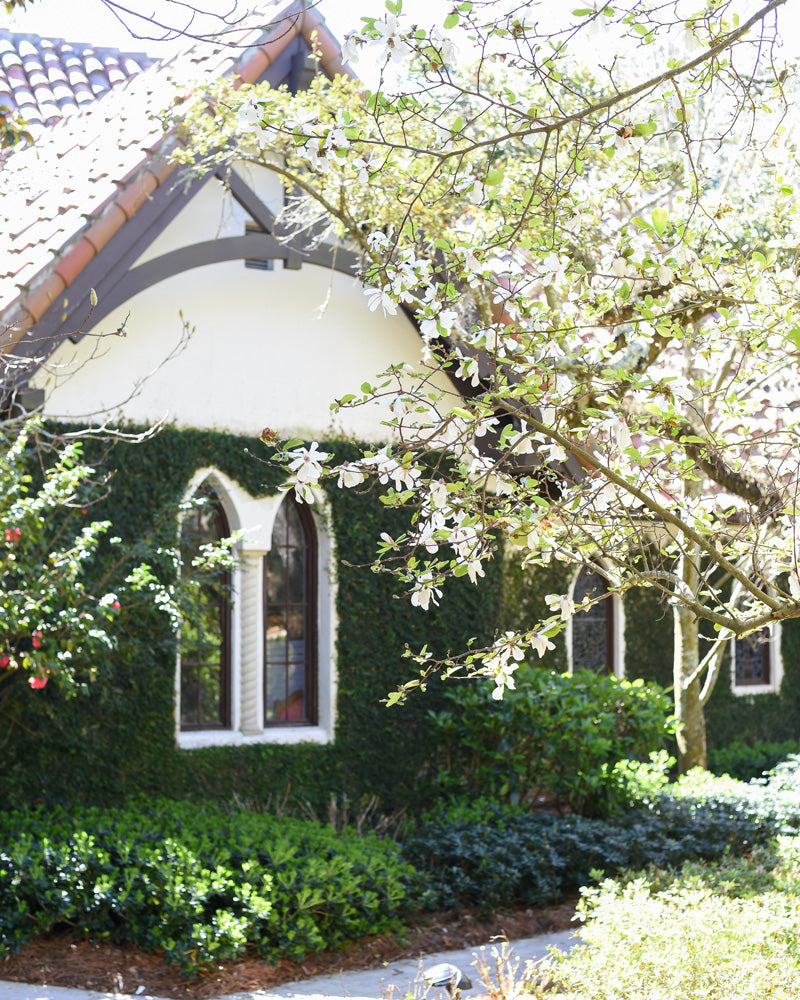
point(55, 614)
point(65, 578)
point(593, 224)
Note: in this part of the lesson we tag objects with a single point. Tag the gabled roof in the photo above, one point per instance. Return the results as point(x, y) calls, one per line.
point(95, 172)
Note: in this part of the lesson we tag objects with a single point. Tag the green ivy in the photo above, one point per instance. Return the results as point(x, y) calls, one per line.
point(119, 739)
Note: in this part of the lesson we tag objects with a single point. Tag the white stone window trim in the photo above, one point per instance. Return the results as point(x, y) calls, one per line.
point(256, 517)
point(775, 666)
point(618, 634)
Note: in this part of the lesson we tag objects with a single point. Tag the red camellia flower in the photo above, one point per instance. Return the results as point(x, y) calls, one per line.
point(37, 683)
point(4, 661)
point(116, 605)
point(12, 534)
point(37, 640)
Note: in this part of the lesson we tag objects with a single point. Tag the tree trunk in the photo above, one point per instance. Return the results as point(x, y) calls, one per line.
point(686, 658)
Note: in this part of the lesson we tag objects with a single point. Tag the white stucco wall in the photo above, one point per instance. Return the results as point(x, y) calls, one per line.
point(213, 213)
point(269, 349)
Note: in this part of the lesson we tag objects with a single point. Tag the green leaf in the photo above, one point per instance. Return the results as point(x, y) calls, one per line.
point(459, 411)
point(645, 128)
point(640, 223)
point(794, 336)
point(582, 12)
point(659, 217)
point(452, 20)
point(759, 257)
point(442, 244)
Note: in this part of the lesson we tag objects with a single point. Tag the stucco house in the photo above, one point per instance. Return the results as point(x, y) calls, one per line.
point(206, 321)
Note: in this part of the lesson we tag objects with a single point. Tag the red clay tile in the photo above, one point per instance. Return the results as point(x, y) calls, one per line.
point(72, 263)
point(108, 225)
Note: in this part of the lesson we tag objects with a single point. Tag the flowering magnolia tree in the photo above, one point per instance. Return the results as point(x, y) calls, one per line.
point(594, 228)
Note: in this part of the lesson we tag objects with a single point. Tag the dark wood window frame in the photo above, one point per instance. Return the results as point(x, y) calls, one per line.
point(310, 631)
point(222, 530)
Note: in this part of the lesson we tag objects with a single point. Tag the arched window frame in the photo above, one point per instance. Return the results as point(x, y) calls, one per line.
point(255, 517)
point(615, 631)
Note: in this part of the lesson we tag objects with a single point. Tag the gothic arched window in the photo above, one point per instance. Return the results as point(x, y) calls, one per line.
point(205, 638)
point(752, 658)
point(593, 630)
point(290, 634)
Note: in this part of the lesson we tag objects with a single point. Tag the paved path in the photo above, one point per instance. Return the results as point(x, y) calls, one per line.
point(392, 980)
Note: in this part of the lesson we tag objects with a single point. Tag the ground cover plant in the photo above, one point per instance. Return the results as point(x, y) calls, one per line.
point(712, 930)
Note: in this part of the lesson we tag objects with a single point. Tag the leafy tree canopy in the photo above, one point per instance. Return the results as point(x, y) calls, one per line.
point(600, 255)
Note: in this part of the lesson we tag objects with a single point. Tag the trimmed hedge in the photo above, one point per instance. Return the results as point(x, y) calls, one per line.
point(200, 884)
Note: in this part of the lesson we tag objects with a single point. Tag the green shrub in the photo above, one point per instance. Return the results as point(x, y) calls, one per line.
point(489, 855)
point(556, 735)
point(716, 931)
point(773, 800)
point(749, 760)
point(195, 880)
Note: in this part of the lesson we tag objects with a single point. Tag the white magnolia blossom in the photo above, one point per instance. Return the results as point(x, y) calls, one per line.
point(306, 463)
point(665, 275)
point(446, 46)
point(380, 297)
point(541, 643)
point(424, 592)
point(390, 42)
point(351, 47)
point(302, 120)
point(304, 492)
point(475, 569)
point(501, 663)
point(387, 467)
point(561, 603)
point(553, 269)
point(350, 475)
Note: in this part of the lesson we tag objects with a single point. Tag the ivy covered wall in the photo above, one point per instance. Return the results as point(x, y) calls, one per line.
point(120, 738)
point(648, 654)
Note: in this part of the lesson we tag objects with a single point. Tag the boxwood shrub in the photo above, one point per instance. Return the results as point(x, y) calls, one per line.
point(199, 882)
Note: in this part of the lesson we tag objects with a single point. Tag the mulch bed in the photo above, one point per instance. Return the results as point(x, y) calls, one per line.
point(64, 959)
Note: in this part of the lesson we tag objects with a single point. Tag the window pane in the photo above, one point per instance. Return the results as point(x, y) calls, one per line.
point(752, 658)
point(290, 616)
point(205, 626)
point(591, 629)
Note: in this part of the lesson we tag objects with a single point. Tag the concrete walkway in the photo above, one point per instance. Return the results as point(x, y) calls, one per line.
point(393, 981)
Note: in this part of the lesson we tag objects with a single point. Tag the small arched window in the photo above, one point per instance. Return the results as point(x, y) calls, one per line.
point(205, 641)
point(752, 656)
point(290, 639)
point(593, 630)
